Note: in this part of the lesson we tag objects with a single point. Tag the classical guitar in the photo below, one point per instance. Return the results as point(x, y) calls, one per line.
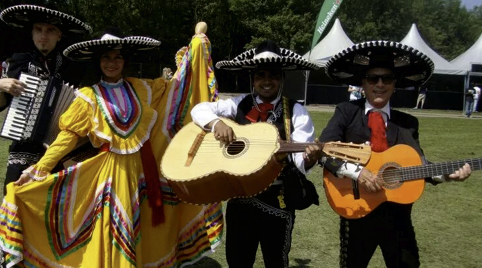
point(402, 175)
point(202, 170)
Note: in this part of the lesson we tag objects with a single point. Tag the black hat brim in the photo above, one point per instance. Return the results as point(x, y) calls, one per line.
point(24, 16)
point(410, 66)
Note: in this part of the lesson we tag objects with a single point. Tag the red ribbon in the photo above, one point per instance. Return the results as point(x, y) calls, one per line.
point(153, 185)
point(154, 193)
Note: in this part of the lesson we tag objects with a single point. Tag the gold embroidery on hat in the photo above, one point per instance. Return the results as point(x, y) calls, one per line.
point(401, 61)
point(361, 60)
point(415, 77)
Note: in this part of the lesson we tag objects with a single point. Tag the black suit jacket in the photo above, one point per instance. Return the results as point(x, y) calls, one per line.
point(350, 124)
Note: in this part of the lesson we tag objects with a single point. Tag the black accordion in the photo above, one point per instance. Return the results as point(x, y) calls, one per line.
point(34, 115)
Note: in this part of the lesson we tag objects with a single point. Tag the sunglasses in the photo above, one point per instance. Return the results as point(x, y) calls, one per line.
point(386, 79)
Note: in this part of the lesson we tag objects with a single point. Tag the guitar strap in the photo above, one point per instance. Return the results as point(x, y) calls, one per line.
point(302, 192)
point(287, 119)
point(287, 126)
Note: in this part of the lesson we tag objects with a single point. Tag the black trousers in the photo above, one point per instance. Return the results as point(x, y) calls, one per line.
point(388, 226)
point(258, 221)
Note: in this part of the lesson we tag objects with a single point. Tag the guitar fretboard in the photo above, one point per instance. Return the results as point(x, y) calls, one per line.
point(290, 147)
point(436, 169)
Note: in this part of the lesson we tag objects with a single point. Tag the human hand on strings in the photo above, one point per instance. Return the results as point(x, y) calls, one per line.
point(24, 178)
point(313, 153)
point(223, 132)
point(12, 86)
point(369, 180)
point(461, 174)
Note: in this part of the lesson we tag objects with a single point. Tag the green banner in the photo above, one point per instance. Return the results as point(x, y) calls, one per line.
point(327, 11)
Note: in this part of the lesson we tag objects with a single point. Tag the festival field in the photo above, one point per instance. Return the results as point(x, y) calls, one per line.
point(447, 218)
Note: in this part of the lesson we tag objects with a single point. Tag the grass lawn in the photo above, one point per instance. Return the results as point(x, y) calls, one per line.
point(447, 218)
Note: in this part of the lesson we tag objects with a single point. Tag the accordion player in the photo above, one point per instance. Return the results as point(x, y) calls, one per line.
point(34, 116)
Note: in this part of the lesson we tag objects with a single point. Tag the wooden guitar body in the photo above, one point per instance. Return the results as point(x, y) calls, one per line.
point(339, 191)
point(202, 170)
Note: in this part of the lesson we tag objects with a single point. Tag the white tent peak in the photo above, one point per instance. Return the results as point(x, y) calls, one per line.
point(335, 41)
point(472, 55)
point(415, 40)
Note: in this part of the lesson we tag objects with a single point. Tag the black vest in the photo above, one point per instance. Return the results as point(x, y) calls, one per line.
point(247, 104)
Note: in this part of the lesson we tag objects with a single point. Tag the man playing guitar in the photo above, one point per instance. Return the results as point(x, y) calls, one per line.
point(379, 67)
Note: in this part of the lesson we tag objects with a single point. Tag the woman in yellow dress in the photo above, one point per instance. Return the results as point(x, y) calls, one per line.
point(115, 209)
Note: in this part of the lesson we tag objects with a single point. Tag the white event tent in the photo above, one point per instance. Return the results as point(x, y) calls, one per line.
point(442, 66)
point(473, 55)
point(335, 41)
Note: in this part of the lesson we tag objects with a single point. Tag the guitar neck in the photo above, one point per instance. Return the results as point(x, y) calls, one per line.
point(437, 169)
point(290, 147)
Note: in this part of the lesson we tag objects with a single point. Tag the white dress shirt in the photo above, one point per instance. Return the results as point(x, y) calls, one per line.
point(304, 131)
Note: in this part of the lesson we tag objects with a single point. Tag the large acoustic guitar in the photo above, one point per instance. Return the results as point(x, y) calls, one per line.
point(402, 175)
point(202, 170)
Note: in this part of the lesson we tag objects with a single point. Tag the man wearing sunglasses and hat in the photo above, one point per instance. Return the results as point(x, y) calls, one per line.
point(47, 27)
point(378, 67)
point(262, 219)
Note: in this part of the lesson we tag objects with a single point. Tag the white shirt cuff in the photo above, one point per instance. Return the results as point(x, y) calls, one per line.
point(349, 170)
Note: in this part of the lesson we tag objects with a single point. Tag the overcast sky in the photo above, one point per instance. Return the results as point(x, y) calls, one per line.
point(471, 3)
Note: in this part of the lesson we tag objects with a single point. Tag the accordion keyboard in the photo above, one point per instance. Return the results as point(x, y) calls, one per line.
point(16, 121)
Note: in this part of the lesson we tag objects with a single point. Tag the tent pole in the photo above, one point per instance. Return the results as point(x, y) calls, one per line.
point(466, 85)
point(307, 75)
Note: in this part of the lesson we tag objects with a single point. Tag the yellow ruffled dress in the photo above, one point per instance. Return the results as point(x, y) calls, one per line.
point(96, 213)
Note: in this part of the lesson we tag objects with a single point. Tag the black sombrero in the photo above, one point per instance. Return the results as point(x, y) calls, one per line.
point(410, 66)
point(267, 53)
point(24, 16)
point(88, 49)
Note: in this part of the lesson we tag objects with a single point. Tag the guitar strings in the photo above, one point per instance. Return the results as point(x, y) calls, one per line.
point(418, 172)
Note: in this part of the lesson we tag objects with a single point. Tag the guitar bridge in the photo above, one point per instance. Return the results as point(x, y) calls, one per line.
point(194, 148)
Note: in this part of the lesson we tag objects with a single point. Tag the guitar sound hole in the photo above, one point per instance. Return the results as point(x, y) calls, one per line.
point(391, 176)
point(235, 148)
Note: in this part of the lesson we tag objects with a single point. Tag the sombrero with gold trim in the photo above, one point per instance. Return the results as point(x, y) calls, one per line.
point(24, 16)
point(410, 66)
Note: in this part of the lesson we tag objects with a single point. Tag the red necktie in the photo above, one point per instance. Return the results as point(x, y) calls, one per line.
point(378, 138)
point(262, 113)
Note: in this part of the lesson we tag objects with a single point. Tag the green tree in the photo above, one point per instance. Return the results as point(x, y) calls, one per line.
point(290, 23)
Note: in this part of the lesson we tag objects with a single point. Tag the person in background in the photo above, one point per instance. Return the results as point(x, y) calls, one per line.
point(264, 219)
point(47, 27)
point(476, 97)
point(115, 209)
point(378, 67)
point(469, 101)
point(4, 68)
point(422, 95)
point(355, 92)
